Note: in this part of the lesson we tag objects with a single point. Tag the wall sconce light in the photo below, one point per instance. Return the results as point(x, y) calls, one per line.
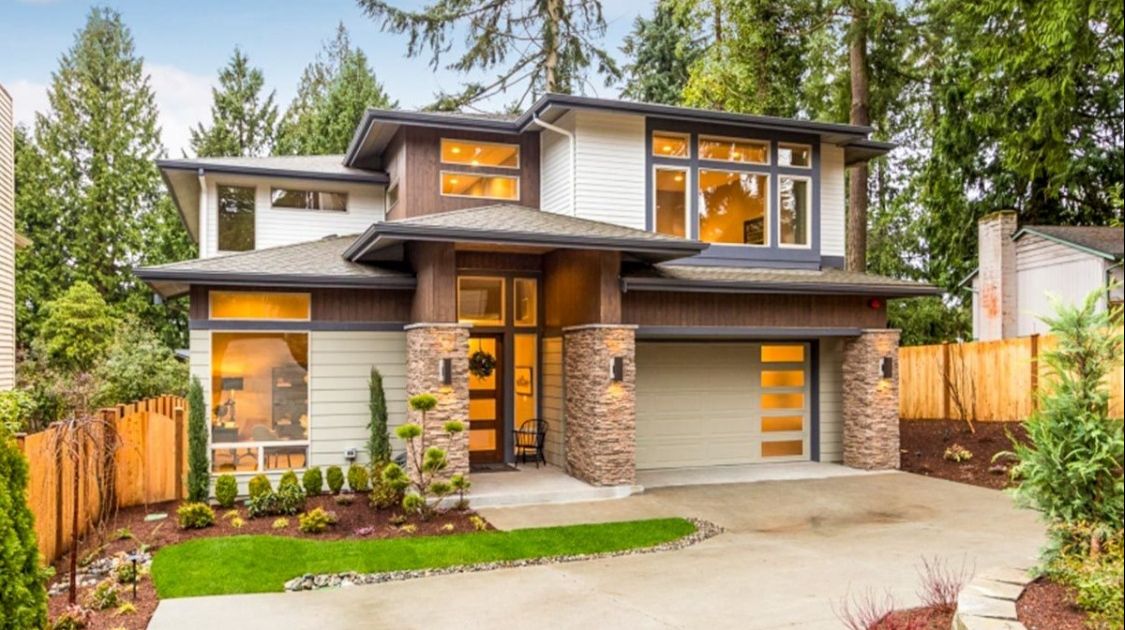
point(445, 371)
point(617, 369)
point(888, 367)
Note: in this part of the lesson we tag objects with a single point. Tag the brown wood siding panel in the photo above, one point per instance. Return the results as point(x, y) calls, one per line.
point(580, 287)
point(661, 308)
point(328, 305)
point(421, 185)
point(395, 157)
point(499, 261)
point(435, 296)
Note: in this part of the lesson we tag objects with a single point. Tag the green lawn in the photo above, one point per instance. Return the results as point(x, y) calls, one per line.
point(259, 564)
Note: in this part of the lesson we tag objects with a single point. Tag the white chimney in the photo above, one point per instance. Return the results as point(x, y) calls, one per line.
point(996, 299)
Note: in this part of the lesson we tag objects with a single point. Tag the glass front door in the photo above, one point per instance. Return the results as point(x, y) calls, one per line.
point(486, 399)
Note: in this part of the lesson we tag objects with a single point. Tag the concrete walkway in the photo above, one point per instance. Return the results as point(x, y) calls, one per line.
point(793, 551)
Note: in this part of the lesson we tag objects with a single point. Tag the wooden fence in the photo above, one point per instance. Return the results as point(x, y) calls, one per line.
point(986, 381)
point(142, 460)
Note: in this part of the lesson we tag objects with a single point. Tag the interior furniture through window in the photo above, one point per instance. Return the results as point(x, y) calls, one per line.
point(308, 199)
point(734, 207)
point(236, 218)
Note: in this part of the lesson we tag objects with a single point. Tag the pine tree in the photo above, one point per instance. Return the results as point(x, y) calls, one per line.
point(334, 91)
point(199, 471)
point(242, 122)
point(550, 44)
point(661, 51)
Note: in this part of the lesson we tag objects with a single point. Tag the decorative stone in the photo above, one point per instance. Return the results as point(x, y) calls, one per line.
point(968, 622)
point(997, 590)
point(426, 346)
point(871, 414)
point(973, 604)
point(1012, 576)
point(601, 416)
point(155, 516)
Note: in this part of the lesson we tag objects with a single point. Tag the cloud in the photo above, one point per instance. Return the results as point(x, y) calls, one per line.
point(28, 97)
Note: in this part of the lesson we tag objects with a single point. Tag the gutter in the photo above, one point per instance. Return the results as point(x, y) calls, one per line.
point(573, 159)
point(374, 178)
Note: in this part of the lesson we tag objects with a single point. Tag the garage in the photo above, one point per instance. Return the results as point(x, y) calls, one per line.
point(722, 403)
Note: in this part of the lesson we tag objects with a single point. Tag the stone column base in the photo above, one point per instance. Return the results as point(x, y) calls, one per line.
point(426, 346)
point(871, 415)
point(601, 414)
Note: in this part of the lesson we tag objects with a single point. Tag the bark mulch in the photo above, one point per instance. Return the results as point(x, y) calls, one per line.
point(1046, 605)
point(924, 442)
point(127, 531)
point(926, 618)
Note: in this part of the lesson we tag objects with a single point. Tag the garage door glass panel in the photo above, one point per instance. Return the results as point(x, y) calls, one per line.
point(783, 354)
point(783, 401)
point(783, 378)
point(783, 448)
point(775, 424)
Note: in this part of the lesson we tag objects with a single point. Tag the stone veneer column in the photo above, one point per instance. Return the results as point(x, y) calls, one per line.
point(601, 417)
point(426, 346)
point(871, 439)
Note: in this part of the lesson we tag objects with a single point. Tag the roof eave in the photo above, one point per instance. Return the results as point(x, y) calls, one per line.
point(1062, 241)
point(373, 178)
point(711, 286)
point(155, 277)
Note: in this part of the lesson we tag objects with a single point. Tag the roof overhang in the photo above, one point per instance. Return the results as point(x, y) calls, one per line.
point(382, 241)
point(1062, 241)
point(173, 283)
point(801, 288)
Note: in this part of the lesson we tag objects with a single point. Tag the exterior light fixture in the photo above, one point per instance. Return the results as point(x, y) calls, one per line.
point(887, 365)
point(445, 371)
point(617, 369)
point(875, 304)
point(132, 557)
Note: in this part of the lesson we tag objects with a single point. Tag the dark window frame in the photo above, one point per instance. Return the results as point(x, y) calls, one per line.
point(225, 238)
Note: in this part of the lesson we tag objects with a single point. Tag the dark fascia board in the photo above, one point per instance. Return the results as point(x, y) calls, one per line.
point(395, 233)
point(1061, 241)
point(154, 276)
point(176, 201)
point(374, 178)
point(689, 286)
point(864, 150)
point(742, 332)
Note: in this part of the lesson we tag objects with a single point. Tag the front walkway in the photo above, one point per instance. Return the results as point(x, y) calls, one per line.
point(530, 486)
point(792, 552)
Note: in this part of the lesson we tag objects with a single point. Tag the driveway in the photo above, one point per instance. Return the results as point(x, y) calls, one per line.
point(791, 553)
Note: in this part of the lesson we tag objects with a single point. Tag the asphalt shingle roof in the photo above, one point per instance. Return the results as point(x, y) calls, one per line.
point(828, 279)
point(1106, 240)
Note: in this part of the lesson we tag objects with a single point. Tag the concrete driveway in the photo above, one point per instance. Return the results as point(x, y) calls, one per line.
point(792, 552)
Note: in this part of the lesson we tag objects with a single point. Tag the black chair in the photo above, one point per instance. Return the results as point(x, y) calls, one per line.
point(531, 438)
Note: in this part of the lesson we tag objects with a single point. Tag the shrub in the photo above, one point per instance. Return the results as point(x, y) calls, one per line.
point(259, 485)
point(315, 521)
point(313, 481)
point(195, 516)
point(16, 407)
point(335, 478)
point(226, 490)
point(479, 523)
point(199, 469)
point(358, 478)
point(379, 441)
point(941, 583)
point(237, 522)
point(279, 523)
point(425, 463)
point(384, 494)
point(127, 608)
point(139, 365)
point(448, 527)
point(957, 454)
point(73, 618)
point(461, 484)
point(125, 572)
point(77, 329)
point(287, 499)
point(23, 598)
point(288, 478)
point(103, 596)
point(1097, 579)
point(409, 528)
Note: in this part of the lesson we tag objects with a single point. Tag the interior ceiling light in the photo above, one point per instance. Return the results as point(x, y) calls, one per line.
point(667, 148)
point(455, 149)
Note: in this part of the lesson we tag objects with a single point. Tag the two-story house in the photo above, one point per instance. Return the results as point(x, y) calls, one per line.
point(662, 285)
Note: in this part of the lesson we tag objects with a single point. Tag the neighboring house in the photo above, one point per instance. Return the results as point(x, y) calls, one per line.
point(8, 244)
point(1020, 268)
point(663, 285)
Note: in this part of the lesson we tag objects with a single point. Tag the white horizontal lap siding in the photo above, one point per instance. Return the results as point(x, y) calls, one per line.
point(1043, 268)
point(611, 168)
point(339, 365)
point(554, 166)
point(7, 246)
point(551, 399)
point(832, 196)
point(831, 395)
point(285, 226)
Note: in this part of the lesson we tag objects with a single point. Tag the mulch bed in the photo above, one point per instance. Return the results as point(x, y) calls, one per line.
point(1046, 605)
point(930, 618)
point(156, 534)
point(924, 442)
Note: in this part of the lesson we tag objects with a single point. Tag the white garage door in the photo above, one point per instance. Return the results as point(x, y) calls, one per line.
point(712, 404)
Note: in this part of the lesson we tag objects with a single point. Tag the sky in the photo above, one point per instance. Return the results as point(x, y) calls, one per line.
point(185, 43)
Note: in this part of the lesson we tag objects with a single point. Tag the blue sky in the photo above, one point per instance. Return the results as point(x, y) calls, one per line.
point(185, 43)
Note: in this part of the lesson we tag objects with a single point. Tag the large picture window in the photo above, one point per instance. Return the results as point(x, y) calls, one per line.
point(259, 401)
point(236, 218)
point(794, 196)
point(733, 207)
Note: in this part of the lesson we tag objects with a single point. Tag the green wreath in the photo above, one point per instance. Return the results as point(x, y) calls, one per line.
point(481, 364)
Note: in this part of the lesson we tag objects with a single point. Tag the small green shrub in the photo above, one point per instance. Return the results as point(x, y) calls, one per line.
point(413, 504)
point(409, 528)
point(195, 516)
point(226, 490)
point(73, 618)
point(313, 481)
point(335, 478)
point(315, 521)
point(279, 523)
point(103, 596)
point(126, 608)
point(288, 478)
point(358, 478)
point(125, 572)
point(237, 522)
point(387, 488)
point(287, 499)
point(259, 485)
point(957, 454)
point(479, 523)
point(1097, 578)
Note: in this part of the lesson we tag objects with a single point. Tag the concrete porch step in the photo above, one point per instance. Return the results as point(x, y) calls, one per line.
point(529, 486)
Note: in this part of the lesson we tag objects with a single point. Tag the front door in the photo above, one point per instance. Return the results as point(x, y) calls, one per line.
point(486, 400)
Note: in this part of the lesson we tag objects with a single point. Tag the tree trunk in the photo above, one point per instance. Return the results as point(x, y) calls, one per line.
point(717, 21)
point(551, 63)
point(72, 594)
point(857, 190)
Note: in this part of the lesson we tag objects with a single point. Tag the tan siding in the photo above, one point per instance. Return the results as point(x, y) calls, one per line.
point(831, 396)
point(832, 195)
point(552, 388)
point(7, 245)
point(611, 168)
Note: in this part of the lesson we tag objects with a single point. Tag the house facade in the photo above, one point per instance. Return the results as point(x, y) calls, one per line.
point(8, 243)
point(1023, 268)
point(663, 286)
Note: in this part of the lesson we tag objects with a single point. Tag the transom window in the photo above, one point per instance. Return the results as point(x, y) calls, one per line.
point(480, 300)
point(734, 150)
point(671, 145)
point(734, 207)
point(308, 199)
point(236, 218)
point(458, 184)
point(794, 155)
point(259, 305)
point(474, 153)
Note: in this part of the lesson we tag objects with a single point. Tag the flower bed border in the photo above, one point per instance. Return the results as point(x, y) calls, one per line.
point(990, 598)
point(312, 582)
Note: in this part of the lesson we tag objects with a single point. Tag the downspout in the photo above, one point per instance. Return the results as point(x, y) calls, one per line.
point(573, 160)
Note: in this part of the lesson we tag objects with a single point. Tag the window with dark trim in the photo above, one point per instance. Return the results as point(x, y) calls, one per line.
point(236, 218)
point(309, 199)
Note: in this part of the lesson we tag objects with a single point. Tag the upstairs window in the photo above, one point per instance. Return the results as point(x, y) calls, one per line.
point(460, 184)
point(236, 218)
point(794, 195)
point(260, 305)
point(670, 145)
point(671, 198)
point(734, 150)
point(473, 153)
point(734, 207)
point(309, 199)
point(798, 155)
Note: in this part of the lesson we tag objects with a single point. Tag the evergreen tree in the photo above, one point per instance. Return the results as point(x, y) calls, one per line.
point(379, 442)
point(661, 51)
point(242, 122)
point(549, 44)
point(23, 597)
point(90, 196)
point(199, 470)
point(334, 91)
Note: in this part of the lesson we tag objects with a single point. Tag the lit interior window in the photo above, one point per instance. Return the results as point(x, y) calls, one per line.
point(733, 207)
point(793, 210)
point(671, 145)
point(480, 300)
point(783, 448)
point(259, 305)
point(485, 186)
point(734, 150)
point(470, 153)
point(794, 155)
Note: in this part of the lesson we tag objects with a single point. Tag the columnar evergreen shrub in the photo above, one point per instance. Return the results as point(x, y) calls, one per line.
point(379, 441)
point(23, 598)
point(259, 485)
point(199, 469)
point(335, 478)
point(313, 481)
point(226, 490)
point(288, 478)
